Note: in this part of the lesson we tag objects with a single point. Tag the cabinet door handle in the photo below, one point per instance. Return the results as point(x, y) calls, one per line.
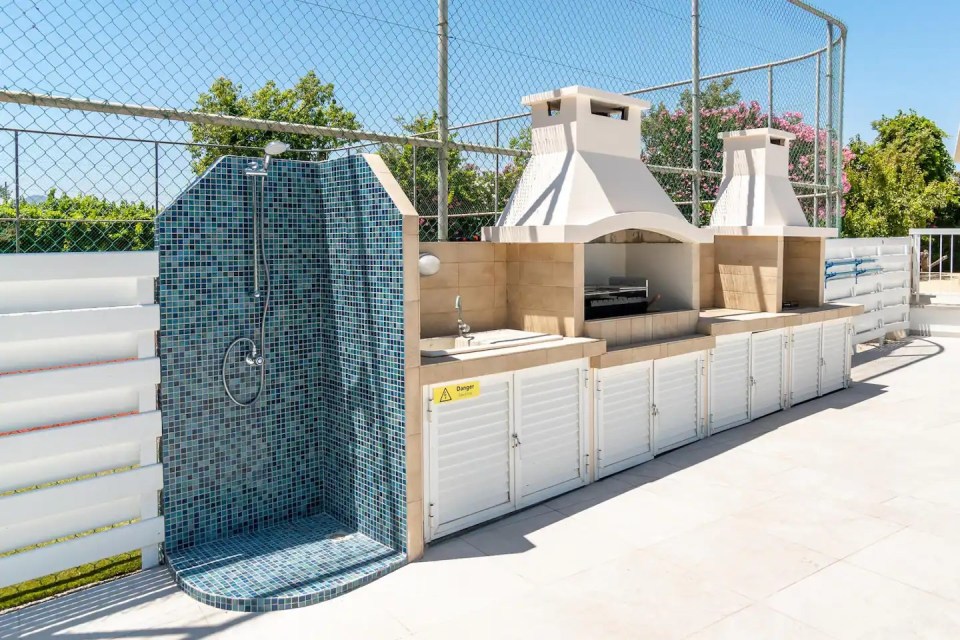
point(516, 440)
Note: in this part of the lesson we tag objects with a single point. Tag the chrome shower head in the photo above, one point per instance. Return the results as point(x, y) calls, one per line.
point(273, 148)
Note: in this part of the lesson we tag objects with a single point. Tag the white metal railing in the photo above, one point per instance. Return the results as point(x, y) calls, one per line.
point(933, 262)
point(79, 424)
point(873, 272)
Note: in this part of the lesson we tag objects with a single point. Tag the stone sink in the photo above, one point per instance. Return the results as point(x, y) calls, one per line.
point(481, 341)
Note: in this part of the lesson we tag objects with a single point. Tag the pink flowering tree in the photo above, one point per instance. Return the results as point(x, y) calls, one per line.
point(668, 133)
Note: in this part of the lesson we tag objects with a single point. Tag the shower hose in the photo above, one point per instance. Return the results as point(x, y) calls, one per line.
point(255, 358)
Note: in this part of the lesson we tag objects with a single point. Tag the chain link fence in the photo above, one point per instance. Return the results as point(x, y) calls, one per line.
point(434, 88)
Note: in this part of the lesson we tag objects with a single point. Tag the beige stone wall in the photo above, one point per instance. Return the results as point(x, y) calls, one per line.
point(545, 287)
point(803, 271)
point(619, 332)
point(707, 269)
point(748, 272)
point(414, 421)
point(476, 271)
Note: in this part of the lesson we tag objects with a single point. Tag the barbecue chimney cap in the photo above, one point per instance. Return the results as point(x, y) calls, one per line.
point(768, 134)
point(613, 99)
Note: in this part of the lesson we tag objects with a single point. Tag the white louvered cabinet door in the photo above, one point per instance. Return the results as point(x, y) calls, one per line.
point(548, 409)
point(677, 399)
point(804, 363)
point(833, 371)
point(767, 357)
point(729, 382)
point(470, 458)
point(623, 419)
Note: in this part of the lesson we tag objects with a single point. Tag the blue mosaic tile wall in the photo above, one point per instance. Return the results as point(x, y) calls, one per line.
point(362, 340)
point(328, 433)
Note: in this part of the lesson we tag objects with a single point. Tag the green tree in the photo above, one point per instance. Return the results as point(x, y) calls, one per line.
point(309, 101)
point(903, 179)
point(400, 160)
point(717, 95)
point(77, 223)
point(909, 132)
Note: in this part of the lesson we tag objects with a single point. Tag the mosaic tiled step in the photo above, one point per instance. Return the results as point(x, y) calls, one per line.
point(294, 564)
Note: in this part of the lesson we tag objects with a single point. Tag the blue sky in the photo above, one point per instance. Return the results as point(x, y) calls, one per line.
point(381, 56)
point(901, 55)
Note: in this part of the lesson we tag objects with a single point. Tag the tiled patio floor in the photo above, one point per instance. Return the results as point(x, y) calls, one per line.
point(837, 519)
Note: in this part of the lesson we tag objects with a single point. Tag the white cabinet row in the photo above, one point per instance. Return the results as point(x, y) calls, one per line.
point(527, 436)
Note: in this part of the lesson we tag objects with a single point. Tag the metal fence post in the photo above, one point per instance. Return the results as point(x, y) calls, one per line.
point(496, 168)
point(156, 178)
point(829, 141)
point(695, 110)
point(816, 145)
point(838, 209)
point(442, 132)
point(413, 179)
point(770, 96)
point(16, 191)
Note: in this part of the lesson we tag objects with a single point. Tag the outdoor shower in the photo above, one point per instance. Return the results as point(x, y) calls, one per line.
point(255, 355)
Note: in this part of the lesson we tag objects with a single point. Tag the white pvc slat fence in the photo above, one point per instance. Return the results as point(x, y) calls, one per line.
point(874, 272)
point(79, 422)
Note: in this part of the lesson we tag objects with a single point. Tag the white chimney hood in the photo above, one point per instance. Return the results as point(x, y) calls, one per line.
point(586, 176)
point(755, 195)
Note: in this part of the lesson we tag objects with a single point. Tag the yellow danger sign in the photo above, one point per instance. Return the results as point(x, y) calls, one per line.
point(454, 392)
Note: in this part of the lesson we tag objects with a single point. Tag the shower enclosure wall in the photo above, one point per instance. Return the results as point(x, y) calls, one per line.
point(301, 495)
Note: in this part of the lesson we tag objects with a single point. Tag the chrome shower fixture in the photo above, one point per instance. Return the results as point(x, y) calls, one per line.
point(273, 148)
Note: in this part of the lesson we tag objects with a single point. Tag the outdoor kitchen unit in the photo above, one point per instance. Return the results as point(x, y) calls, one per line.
point(581, 336)
point(587, 184)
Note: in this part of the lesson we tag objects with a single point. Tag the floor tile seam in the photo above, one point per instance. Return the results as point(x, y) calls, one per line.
point(954, 511)
point(845, 505)
point(832, 556)
point(743, 509)
point(829, 635)
point(621, 537)
point(955, 603)
point(765, 600)
point(793, 464)
point(724, 617)
point(762, 604)
point(847, 563)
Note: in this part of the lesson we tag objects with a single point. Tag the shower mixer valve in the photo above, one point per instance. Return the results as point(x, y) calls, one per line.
point(254, 359)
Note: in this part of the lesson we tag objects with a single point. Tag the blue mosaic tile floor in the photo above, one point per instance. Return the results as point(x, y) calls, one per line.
point(294, 564)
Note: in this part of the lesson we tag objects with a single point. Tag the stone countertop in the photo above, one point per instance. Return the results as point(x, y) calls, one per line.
point(712, 323)
point(718, 322)
point(491, 361)
point(653, 350)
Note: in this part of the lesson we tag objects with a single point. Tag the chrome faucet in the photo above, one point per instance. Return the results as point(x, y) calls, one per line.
point(462, 327)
